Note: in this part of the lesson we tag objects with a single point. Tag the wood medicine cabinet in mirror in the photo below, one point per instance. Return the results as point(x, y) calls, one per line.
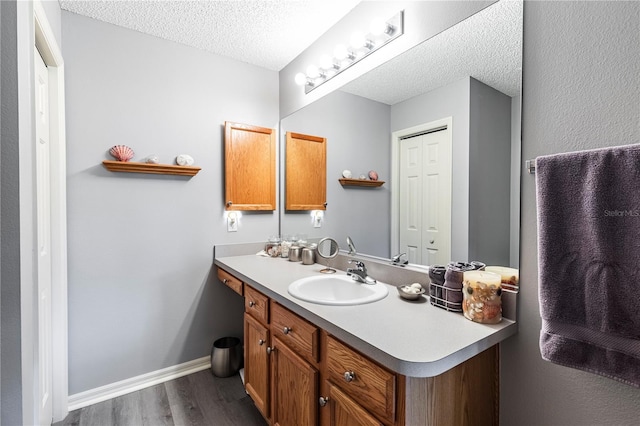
point(250, 167)
point(306, 172)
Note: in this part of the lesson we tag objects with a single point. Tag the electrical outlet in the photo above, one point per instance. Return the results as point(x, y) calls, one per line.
point(232, 224)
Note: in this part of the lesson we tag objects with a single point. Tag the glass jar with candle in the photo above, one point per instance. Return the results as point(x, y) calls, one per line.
point(482, 301)
point(509, 276)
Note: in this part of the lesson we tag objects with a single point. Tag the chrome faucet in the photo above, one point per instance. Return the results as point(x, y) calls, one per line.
point(396, 260)
point(359, 273)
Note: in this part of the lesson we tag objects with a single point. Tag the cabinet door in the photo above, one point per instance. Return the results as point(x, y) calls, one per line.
point(294, 388)
point(250, 167)
point(346, 412)
point(256, 364)
point(306, 172)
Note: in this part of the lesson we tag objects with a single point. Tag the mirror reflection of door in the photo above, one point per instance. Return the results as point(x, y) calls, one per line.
point(425, 197)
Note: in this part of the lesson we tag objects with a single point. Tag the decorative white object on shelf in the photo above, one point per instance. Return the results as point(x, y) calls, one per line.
point(152, 159)
point(346, 174)
point(184, 160)
point(363, 177)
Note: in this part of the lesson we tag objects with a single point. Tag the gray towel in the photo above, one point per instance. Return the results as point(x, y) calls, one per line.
point(589, 260)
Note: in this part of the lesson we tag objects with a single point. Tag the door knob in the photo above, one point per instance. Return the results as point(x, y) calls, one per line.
point(323, 401)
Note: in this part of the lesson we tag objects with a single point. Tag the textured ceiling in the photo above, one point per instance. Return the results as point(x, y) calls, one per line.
point(271, 33)
point(486, 46)
point(267, 33)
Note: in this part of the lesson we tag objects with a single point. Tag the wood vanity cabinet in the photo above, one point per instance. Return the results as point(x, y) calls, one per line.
point(298, 374)
point(305, 172)
point(250, 167)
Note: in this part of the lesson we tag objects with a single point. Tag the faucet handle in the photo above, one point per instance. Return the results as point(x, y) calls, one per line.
point(359, 265)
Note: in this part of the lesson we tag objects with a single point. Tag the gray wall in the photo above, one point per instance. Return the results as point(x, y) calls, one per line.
point(581, 91)
point(357, 132)
point(516, 161)
point(489, 174)
point(142, 292)
point(10, 340)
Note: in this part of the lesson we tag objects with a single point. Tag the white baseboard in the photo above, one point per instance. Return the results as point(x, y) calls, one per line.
point(103, 393)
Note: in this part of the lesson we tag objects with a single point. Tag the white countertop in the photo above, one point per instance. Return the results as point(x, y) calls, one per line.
point(412, 338)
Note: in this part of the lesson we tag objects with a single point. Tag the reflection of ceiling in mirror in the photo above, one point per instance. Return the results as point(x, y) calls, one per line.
point(487, 46)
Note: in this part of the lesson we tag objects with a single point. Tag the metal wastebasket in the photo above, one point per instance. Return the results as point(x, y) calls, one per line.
point(226, 356)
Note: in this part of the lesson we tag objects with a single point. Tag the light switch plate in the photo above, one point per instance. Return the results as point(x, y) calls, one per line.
point(317, 222)
point(232, 225)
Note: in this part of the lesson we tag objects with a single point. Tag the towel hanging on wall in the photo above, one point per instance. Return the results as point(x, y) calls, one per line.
point(588, 206)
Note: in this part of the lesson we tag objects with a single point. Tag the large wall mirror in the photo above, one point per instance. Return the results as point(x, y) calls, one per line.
point(451, 104)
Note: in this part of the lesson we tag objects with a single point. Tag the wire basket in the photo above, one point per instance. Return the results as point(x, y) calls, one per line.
point(440, 296)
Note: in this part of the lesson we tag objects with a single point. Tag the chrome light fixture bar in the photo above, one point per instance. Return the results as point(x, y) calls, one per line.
point(361, 45)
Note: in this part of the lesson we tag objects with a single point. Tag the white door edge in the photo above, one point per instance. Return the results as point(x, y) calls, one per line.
point(395, 171)
point(47, 46)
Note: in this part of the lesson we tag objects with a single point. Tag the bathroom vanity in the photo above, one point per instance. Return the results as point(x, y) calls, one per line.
point(390, 362)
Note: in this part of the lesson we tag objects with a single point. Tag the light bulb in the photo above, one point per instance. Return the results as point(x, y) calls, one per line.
point(326, 62)
point(300, 79)
point(378, 26)
point(340, 52)
point(357, 40)
point(313, 72)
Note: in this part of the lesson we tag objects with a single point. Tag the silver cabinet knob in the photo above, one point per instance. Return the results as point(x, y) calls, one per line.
point(260, 342)
point(252, 304)
point(286, 330)
point(349, 376)
point(323, 401)
point(270, 349)
point(225, 280)
point(229, 203)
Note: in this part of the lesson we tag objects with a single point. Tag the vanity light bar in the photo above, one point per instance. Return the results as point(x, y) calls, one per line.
point(381, 33)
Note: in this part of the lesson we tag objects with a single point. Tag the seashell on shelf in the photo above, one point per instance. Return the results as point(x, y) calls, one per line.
point(121, 152)
point(152, 159)
point(184, 160)
point(373, 175)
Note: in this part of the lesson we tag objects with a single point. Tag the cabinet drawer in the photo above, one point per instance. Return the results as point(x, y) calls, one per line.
point(230, 281)
point(295, 332)
point(369, 384)
point(256, 304)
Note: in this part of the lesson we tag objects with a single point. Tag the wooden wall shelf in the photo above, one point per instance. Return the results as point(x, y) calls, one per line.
point(360, 182)
point(158, 169)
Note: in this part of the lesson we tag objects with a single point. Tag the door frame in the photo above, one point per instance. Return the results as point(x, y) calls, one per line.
point(395, 170)
point(46, 44)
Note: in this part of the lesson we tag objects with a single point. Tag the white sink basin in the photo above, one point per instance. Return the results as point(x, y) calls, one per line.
point(336, 290)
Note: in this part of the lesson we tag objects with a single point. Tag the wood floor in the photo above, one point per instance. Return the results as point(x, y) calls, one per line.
point(199, 399)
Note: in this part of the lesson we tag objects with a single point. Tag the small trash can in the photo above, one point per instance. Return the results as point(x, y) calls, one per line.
point(226, 356)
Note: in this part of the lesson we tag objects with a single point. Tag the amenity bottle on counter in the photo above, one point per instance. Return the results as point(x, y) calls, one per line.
point(482, 293)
